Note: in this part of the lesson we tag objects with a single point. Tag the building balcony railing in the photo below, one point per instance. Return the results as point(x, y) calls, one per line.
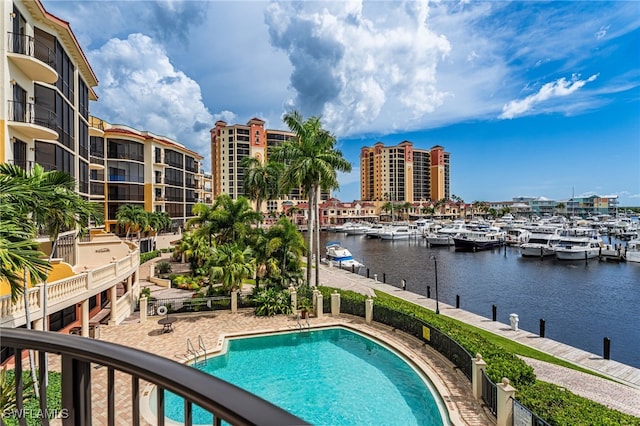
point(33, 120)
point(33, 58)
point(77, 354)
point(66, 292)
point(96, 126)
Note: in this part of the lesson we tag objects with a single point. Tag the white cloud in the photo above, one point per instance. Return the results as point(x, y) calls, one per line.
point(354, 68)
point(602, 32)
point(548, 91)
point(140, 87)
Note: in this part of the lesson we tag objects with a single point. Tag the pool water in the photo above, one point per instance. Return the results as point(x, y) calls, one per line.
point(326, 377)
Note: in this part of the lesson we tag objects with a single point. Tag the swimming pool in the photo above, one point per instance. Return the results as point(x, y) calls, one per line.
point(330, 376)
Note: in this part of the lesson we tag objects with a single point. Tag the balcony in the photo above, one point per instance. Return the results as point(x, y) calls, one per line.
point(160, 199)
point(96, 163)
point(32, 120)
point(77, 354)
point(33, 58)
point(96, 127)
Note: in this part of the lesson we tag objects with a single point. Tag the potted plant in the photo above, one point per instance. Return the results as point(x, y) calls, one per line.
point(305, 306)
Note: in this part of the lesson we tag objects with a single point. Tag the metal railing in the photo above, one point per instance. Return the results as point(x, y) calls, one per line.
point(416, 327)
point(224, 400)
point(28, 112)
point(490, 394)
point(189, 304)
point(27, 45)
point(520, 411)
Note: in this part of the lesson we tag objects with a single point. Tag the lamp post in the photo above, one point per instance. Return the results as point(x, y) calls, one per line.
point(435, 263)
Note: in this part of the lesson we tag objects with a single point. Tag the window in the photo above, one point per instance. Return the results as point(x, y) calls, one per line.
point(173, 158)
point(125, 150)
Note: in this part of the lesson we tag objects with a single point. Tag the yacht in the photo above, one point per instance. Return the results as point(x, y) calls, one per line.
point(517, 236)
point(479, 239)
point(356, 229)
point(396, 233)
point(374, 230)
point(632, 251)
point(540, 244)
point(340, 256)
point(444, 236)
point(578, 244)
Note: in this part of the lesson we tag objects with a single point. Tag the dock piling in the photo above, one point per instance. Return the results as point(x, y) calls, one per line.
point(494, 312)
point(542, 327)
point(607, 348)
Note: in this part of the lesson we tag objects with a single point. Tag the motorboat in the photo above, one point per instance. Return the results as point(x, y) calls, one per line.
point(632, 251)
point(578, 244)
point(374, 230)
point(337, 255)
point(356, 229)
point(517, 236)
point(540, 245)
point(444, 236)
point(479, 239)
point(396, 233)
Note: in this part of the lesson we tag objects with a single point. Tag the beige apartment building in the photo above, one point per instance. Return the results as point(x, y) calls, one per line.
point(138, 167)
point(230, 144)
point(403, 173)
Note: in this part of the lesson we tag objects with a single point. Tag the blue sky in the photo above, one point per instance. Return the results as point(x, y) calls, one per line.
point(530, 98)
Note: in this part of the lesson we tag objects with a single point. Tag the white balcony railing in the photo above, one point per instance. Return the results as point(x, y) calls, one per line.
point(71, 290)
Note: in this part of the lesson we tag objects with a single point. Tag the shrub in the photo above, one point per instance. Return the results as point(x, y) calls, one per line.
point(54, 397)
point(271, 302)
point(145, 257)
point(163, 267)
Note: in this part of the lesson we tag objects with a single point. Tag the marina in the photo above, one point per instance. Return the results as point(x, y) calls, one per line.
point(582, 302)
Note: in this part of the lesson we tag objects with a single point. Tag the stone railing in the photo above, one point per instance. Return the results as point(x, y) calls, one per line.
point(69, 291)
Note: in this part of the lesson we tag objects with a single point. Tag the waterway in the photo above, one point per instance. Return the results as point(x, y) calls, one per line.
point(581, 302)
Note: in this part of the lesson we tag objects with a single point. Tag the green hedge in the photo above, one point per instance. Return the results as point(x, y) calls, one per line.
point(554, 404)
point(31, 406)
point(145, 257)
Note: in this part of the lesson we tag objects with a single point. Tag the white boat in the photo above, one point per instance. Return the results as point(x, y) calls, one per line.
point(444, 236)
point(578, 244)
point(632, 251)
point(540, 245)
point(356, 229)
point(337, 255)
point(517, 236)
point(374, 230)
point(395, 233)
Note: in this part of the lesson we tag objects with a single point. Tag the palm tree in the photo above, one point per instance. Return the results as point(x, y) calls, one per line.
point(232, 264)
point(312, 163)
point(131, 216)
point(205, 221)
point(261, 181)
point(18, 249)
point(233, 218)
point(51, 205)
point(195, 249)
point(157, 222)
point(286, 243)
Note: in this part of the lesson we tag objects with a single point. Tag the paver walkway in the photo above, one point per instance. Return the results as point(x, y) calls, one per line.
point(623, 396)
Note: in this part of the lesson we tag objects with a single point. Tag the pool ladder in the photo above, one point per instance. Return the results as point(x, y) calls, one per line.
point(191, 350)
point(301, 326)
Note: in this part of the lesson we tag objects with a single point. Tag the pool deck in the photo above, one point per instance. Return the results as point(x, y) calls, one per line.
point(623, 395)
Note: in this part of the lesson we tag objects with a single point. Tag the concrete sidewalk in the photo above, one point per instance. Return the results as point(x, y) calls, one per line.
point(623, 396)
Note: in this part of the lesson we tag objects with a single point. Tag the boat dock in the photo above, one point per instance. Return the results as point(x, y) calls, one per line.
point(611, 254)
point(623, 395)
